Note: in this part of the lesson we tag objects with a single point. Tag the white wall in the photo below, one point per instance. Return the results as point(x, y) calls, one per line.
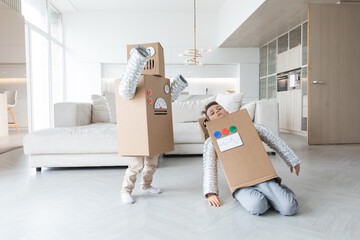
point(93, 39)
point(12, 36)
point(13, 61)
point(232, 14)
point(249, 81)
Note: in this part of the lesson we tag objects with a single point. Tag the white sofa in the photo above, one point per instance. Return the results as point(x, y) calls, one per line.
point(77, 142)
point(187, 137)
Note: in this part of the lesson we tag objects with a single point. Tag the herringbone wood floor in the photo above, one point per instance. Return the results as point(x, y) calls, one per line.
point(84, 203)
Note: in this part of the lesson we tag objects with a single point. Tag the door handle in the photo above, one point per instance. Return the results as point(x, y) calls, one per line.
point(317, 82)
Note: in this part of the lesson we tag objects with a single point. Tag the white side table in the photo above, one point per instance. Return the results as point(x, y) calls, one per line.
point(4, 129)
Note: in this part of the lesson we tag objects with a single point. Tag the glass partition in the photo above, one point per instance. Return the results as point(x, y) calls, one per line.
point(283, 43)
point(272, 86)
point(263, 61)
point(295, 37)
point(272, 57)
point(304, 97)
point(304, 44)
point(262, 85)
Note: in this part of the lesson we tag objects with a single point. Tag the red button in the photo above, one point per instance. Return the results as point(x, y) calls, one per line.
point(150, 100)
point(149, 92)
point(225, 131)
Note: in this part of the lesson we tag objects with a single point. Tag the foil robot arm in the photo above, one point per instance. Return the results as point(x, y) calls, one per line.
point(210, 176)
point(177, 86)
point(279, 146)
point(136, 63)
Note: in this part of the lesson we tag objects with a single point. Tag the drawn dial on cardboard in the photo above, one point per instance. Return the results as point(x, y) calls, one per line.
point(160, 104)
point(151, 51)
point(166, 89)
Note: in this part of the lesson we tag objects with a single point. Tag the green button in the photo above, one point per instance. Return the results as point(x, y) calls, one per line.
point(232, 129)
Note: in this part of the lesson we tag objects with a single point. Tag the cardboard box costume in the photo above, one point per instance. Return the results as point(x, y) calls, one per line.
point(147, 128)
point(144, 117)
point(240, 150)
point(143, 103)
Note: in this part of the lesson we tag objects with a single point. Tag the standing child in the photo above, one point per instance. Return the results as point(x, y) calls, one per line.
point(136, 164)
point(151, 98)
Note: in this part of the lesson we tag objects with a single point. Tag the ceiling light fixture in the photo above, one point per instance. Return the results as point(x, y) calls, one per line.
point(194, 53)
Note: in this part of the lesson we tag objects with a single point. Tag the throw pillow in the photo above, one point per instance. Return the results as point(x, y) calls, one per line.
point(230, 101)
point(250, 107)
point(100, 110)
point(110, 99)
point(189, 111)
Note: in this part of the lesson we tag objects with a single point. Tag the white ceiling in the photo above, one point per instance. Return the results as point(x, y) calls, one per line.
point(272, 19)
point(138, 5)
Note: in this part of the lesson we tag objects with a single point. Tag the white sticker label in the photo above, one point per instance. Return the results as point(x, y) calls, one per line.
point(229, 142)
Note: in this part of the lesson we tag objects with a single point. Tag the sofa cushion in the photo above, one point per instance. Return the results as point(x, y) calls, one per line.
point(188, 132)
point(100, 110)
point(93, 138)
point(230, 101)
point(110, 100)
point(186, 98)
point(189, 111)
point(67, 114)
point(250, 107)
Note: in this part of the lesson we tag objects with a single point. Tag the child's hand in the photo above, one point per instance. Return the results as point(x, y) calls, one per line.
point(297, 169)
point(213, 200)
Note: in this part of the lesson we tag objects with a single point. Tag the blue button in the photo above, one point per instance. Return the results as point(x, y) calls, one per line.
point(217, 134)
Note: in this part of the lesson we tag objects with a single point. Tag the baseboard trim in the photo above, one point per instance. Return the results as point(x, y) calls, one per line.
point(302, 133)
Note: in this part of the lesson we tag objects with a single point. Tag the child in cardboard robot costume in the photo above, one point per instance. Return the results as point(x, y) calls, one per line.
point(144, 118)
point(248, 170)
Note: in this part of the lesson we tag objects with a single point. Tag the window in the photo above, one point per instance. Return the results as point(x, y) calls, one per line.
point(55, 23)
point(34, 11)
point(45, 50)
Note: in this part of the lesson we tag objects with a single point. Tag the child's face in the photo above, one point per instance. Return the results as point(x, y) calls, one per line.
point(216, 111)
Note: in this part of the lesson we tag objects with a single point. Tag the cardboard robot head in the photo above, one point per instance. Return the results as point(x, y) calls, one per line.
point(155, 65)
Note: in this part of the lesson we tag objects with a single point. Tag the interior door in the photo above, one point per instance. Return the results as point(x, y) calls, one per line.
point(334, 74)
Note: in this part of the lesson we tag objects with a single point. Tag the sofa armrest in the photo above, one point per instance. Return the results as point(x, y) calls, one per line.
point(69, 114)
point(267, 114)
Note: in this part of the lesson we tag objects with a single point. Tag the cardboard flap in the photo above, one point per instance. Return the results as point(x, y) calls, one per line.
point(204, 132)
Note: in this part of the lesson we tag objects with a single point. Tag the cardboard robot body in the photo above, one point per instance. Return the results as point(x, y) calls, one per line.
point(240, 150)
point(144, 123)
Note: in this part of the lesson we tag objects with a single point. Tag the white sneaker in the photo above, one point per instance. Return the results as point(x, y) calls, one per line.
point(152, 190)
point(127, 198)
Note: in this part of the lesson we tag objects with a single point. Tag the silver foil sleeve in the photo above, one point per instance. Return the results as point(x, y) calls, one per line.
point(210, 175)
point(278, 145)
point(177, 86)
point(134, 68)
